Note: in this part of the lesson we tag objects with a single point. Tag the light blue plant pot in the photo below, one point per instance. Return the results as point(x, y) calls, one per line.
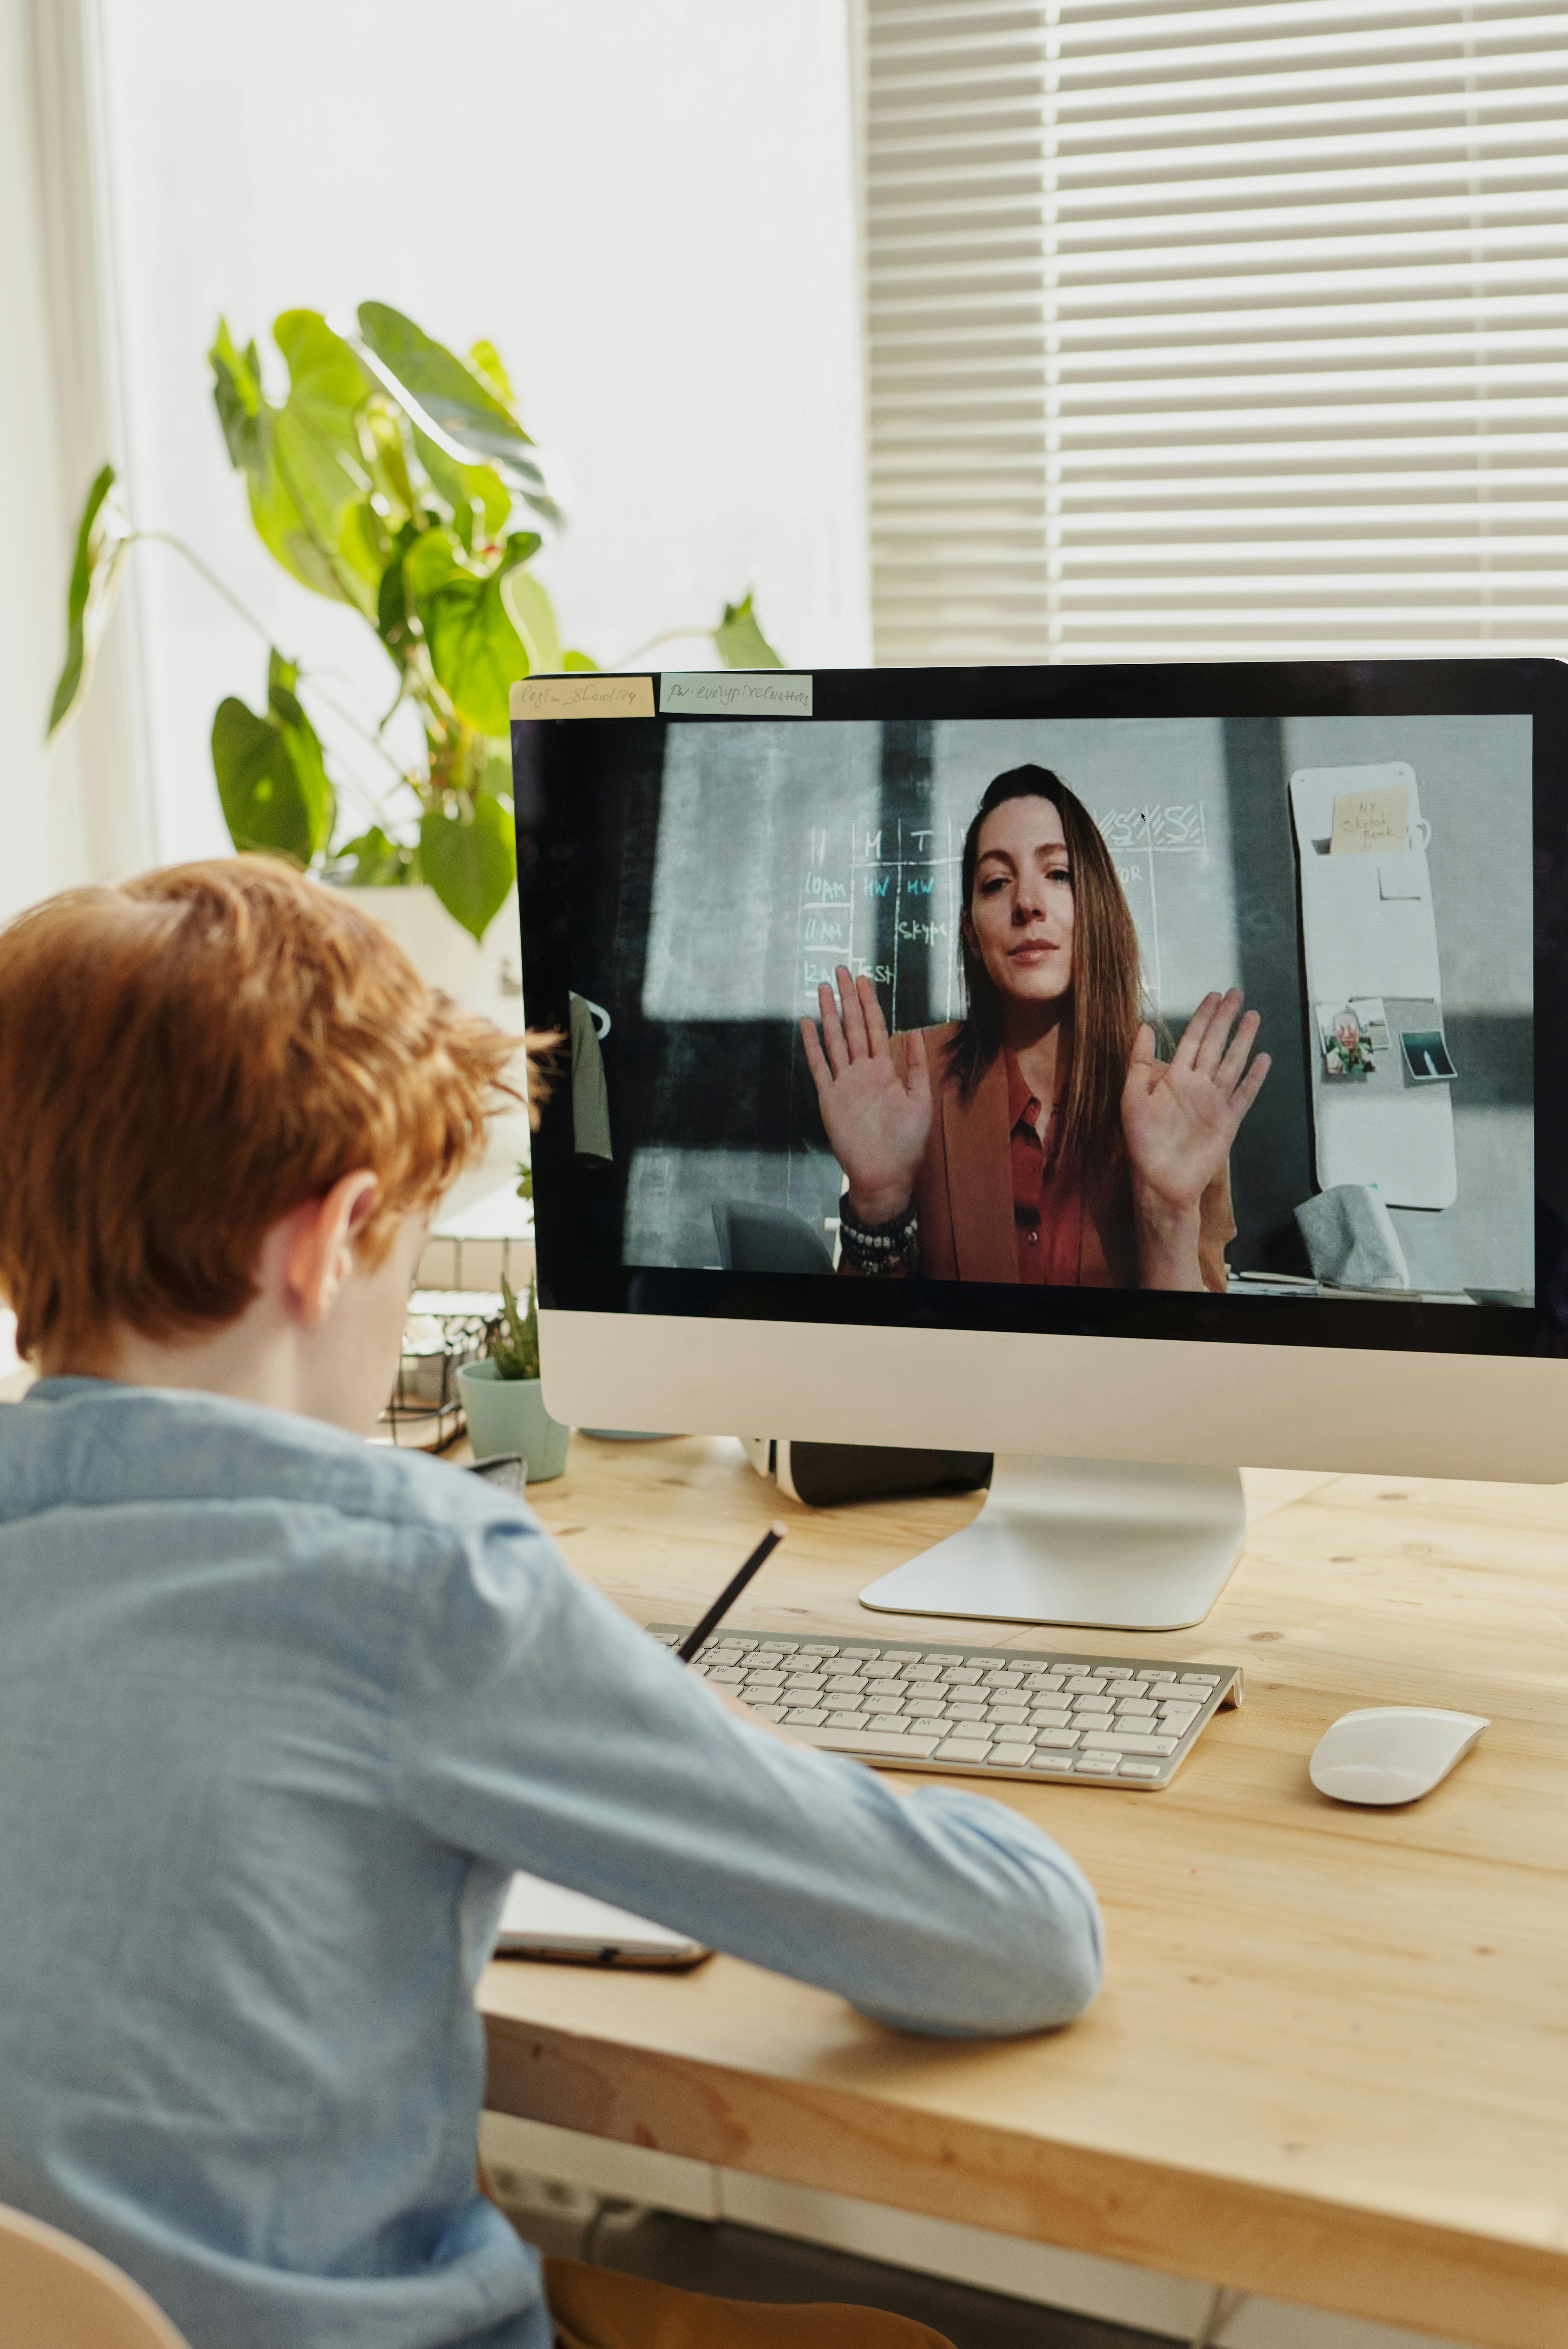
point(509, 1415)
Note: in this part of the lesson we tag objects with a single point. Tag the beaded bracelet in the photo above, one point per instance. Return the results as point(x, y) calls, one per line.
point(879, 1248)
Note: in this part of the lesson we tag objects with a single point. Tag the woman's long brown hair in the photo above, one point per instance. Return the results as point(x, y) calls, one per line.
point(1106, 1004)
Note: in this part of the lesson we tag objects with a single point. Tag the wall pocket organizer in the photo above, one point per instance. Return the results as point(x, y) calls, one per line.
point(1370, 944)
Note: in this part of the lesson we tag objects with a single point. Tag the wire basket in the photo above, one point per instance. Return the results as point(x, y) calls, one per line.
point(445, 1330)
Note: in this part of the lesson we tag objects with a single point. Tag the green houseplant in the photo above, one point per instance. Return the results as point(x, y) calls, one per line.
point(395, 477)
point(503, 1399)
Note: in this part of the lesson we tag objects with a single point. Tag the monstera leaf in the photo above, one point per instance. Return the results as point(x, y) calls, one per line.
point(740, 640)
point(452, 403)
point(103, 540)
point(474, 650)
point(307, 471)
point(470, 859)
point(271, 781)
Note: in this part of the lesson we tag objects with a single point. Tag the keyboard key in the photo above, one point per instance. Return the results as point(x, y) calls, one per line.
point(1199, 1679)
point(768, 1711)
point(861, 1655)
point(963, 1749)
point(1057, 1737)
point(1011, 1757)
point(1178, 1718)
point(885, 1720)
point(819, 1647)
point(1096, 1765)
point(854, 1720)
point(804, 1716)
point(1050, 1761)
point(962, 1676)
point(1134, 1708)
point(1013, 1712)
point(726, 1675)
point(1086, 1684)
point(1138, 1770)
point(921, 1671)
point(1093, 1708)
point(1127, 1741)
point(1044, 1680)
point(875, 1744)
point(1003, 1679)
point(925, 1704)
point(962, 1710)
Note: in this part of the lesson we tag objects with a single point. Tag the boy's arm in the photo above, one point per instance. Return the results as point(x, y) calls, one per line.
point(539, 1728)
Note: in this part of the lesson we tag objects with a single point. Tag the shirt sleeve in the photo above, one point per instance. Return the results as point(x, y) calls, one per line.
point(536, 1727)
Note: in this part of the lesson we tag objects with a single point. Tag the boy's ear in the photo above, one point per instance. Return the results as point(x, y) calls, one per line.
point(320, 1252)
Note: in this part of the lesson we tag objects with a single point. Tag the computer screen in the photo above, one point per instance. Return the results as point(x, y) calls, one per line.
point(1351, 852)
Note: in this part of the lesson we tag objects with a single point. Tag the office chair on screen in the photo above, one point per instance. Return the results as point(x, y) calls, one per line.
point(56, 2294)
point(754, 1239)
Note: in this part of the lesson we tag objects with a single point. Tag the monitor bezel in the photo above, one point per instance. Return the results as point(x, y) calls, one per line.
point(574, 1278)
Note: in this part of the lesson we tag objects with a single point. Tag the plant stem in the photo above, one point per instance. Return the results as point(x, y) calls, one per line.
point(167, 538)
point(667, 637)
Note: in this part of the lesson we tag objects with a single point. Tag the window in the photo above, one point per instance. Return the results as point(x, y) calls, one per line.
point(1197, 330)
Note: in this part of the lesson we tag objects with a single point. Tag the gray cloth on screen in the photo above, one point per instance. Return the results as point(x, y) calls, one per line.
point(1351, 1239)
point(590, 1098)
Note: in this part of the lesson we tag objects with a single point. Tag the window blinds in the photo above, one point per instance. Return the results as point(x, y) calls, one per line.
point(1203, 330)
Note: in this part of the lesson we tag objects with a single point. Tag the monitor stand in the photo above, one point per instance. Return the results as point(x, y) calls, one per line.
point(1124, 1546)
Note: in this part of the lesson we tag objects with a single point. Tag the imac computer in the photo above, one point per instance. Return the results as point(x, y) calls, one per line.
point(1125, 1072)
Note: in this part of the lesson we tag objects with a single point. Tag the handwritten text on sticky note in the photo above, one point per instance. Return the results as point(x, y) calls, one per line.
point(1366, 822)
point(587, 695)
point(720, 693)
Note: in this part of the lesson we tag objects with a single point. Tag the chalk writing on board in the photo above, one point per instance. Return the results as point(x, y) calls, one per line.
point(1175, 831)
point(874, 894)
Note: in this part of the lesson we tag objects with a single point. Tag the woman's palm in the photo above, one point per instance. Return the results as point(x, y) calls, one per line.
point(1179, 1120)
point(878, 1120)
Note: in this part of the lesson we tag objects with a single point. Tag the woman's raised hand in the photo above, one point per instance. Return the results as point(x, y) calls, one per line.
point(1179, 1119)
point(876, 1119)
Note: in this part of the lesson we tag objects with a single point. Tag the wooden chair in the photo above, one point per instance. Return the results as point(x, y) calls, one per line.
point(56, 2294)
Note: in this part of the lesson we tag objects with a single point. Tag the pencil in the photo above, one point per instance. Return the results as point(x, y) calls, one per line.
point(696, 1641)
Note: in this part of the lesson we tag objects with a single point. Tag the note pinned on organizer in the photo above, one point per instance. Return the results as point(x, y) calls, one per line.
point(589, 693)
point(723, 693)
point(1368, 822)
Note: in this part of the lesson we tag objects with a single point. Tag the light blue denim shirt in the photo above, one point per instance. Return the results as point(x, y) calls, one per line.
point(278, 1713)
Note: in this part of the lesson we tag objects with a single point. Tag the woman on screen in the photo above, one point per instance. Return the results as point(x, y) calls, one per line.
point(1039, 1138)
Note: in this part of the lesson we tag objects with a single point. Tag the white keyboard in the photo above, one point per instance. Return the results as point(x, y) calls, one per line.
point(993, 1713)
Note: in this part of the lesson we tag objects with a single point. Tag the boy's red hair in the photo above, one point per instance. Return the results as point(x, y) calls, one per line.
point(184, 1060)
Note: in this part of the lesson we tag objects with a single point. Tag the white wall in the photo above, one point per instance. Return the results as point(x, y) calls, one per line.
point(41, 823)
point(645, 203)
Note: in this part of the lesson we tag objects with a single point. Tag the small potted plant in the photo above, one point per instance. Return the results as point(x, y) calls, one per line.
point(504, 1400)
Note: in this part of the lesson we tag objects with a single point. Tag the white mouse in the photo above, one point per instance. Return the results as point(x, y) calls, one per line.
point(1391, 1753)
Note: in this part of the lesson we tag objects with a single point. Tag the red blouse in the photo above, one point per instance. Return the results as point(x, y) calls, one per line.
point(1047, 1208)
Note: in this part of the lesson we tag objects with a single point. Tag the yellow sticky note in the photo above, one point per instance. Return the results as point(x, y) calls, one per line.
point(1367, 822)
point(587, 694)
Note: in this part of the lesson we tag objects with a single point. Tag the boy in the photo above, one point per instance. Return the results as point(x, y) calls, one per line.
point(280, 1711)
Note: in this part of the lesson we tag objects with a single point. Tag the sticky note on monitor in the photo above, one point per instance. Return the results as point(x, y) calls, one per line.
point(590, 693)
point(1367, 821)
point(729, 693)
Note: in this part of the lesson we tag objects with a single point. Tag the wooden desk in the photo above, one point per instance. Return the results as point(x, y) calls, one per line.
point(1330, 2062)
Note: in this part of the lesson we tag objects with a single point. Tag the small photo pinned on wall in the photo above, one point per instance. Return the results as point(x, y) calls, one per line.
point(1345, 1038)
point(1426, 1054)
